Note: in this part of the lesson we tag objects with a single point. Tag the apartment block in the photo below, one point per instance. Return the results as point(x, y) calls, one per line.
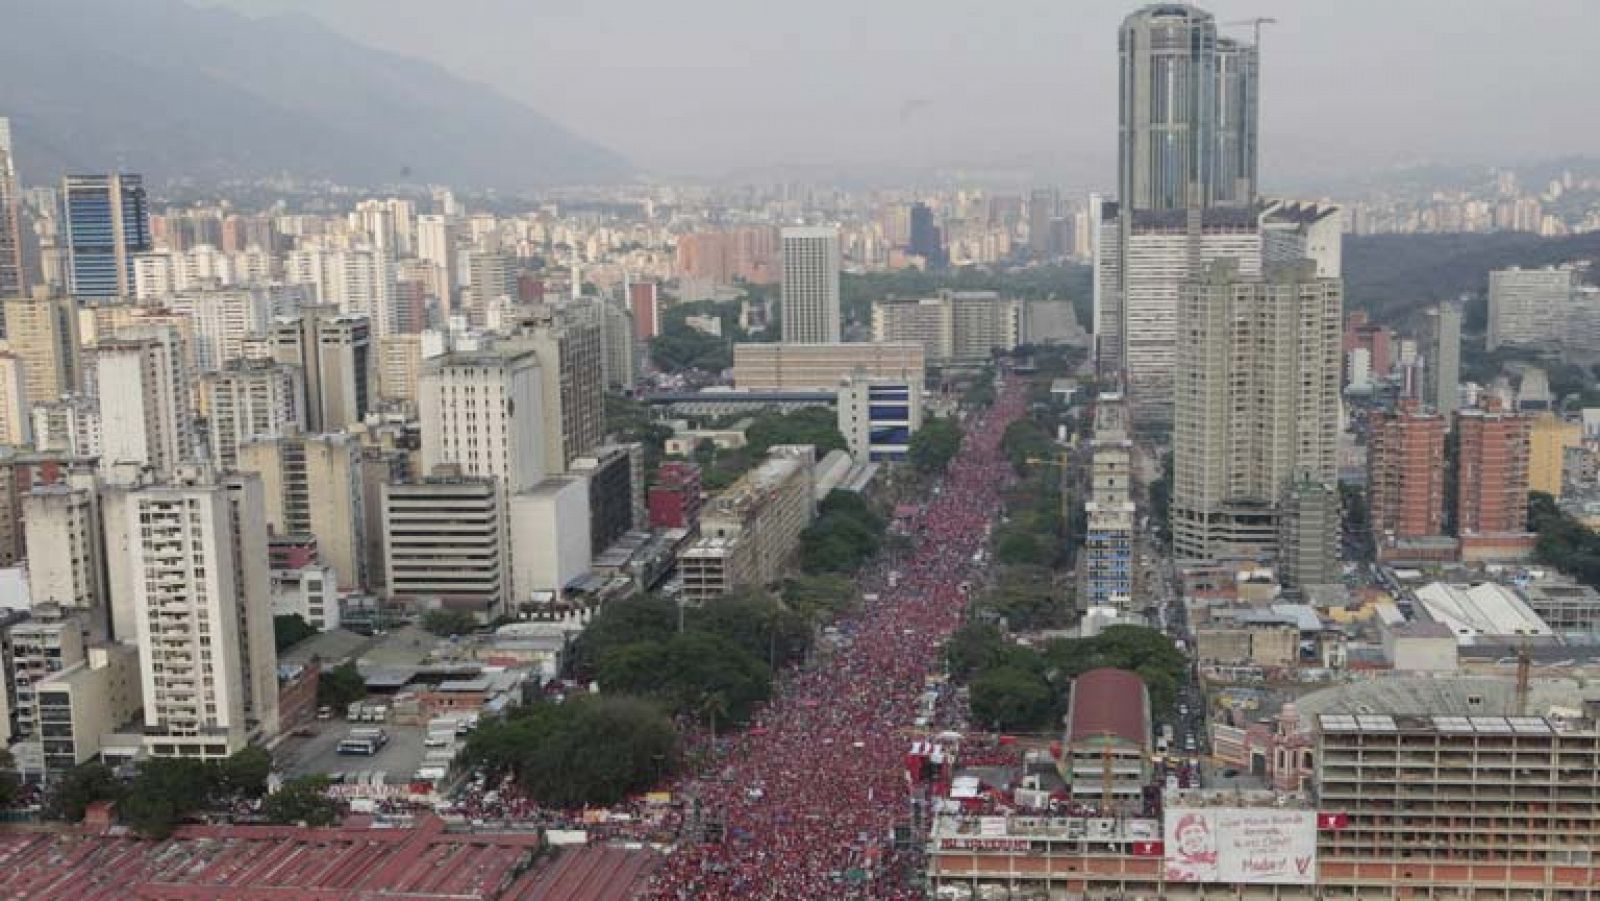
point(144, 395)
point(313, 485)
point(750, 532)
point(1492, 472)
point(1405, 479)
point(248, 400)
point(446, 543)
point(483, 413)
point(822, 367)
point(964, 327)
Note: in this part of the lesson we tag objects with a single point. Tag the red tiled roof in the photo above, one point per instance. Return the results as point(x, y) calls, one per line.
point(1108, 702)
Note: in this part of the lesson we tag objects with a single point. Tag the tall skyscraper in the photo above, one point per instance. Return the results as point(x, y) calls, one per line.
point(810, 285)
point(312, 485)
point(1188, 112)
point(107, 221)
point(1442, 334)
point(570, 353)
point(1044, 205)
point(43, 331)
point(644, 300)
point(926, 241)
point(1257, 404)
point(13, 278)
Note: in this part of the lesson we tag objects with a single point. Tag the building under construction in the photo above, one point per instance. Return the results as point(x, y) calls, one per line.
point(1105, 760)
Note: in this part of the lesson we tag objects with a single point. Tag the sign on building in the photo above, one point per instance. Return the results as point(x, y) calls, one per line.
point(1248, 845)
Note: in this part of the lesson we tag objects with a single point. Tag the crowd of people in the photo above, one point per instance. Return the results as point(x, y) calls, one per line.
point(808, 797)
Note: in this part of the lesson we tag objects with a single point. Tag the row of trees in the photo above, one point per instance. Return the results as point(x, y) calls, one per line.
point(845, 535)
point(1017, 688)
point(164, 790)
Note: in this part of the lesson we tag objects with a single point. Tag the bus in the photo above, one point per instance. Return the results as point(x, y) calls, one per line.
point(364, 742)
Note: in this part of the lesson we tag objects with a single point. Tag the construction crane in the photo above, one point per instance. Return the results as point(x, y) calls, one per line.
point(1524, 676)
point(1255, 24)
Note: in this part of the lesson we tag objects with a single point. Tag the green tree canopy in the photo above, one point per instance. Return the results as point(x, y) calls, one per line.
point(289, 630)
point(82, 786)
point(445, 622)
point(1010, 698)
point(341, 686)
point(934, 445)
point(301, 801)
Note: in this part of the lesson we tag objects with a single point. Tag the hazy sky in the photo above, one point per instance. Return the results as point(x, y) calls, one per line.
point(711, 87)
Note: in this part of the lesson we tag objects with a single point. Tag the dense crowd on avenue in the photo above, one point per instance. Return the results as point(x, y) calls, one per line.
point(808, 796)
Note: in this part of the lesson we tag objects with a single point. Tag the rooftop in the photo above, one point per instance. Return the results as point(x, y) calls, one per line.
point(1108, 702)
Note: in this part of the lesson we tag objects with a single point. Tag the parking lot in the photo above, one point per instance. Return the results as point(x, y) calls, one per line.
point(302, 756)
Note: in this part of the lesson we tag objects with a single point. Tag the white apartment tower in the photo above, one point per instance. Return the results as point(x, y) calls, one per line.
point(337, 361)
point(1257, 404)
point(66, 550)
point(811, 260)
point(202, 607)
point(16, 423)
point(144, 401)
point(249, 399)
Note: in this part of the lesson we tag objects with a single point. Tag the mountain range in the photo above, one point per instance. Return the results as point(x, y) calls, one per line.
point(176, 91)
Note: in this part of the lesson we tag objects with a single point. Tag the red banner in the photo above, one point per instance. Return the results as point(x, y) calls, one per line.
point(1148, 849)
point(1333, 822)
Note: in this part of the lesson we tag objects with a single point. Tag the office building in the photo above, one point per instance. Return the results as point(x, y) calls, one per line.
point(1492, 472)
point(70, 426)
point(494, 277)
point(822, 367)
point(81, 705)
point(43, 331)
point(644, 302)
point(570, 357)
point(313, 485)
point(483, 413)
point(247, 400)
point(925, 239)
point(1044, 206)
point(1188, 112)
point(1549, 439)
point(144, 401)
point(106, 219)
point(65, 540)
point(201, 603)
point(810, 297)
point(337, 361)
point(1308, 536)
point(1110, 531)
point(1528, 307)
point(750, 532)
point(878, 417)
point(955, 328)
point(1405, 480)
point(13, 277)
point(16, 421)
point(50, 640)
point(1257, 404)
point(446, 543)
point(1442, 341)
point(619, 353)
point(675, 496)
point(615, 479)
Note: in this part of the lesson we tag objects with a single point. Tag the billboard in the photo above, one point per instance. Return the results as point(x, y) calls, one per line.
point(1252, 845)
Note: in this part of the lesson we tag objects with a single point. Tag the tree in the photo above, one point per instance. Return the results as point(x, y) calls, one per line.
point(647, 618)
point(10, 785)
point(301, 802)
point(845, 535)
point(972, 649)
point(684, 669)
point(244, 773)
point(341, 686)
point(1011, 698)
point(591, 750)
point(164, 791)
point(444, 621)
point(82, 786)
point(289, 630)
point(934, 445)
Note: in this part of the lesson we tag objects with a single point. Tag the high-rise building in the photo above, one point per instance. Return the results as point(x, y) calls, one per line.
point(1528, 307)
point(1405, 459)
point(494, 276)
point(446, 543)
point(1188, 112)
point(335, 355)
point(1549, 440)
point(70, 426)
point(1492, 472)
point(249, 399)
point(571, 358)
point(644, 301)
point(925, 239)
point(483, 413)
point(1257, 404)
point(107, 221)
point(1044, 206)
point(43, 331)
point(13, 277)
point(399, 368)
point(144, 396)
point(877, 417)
point(224, 319)
point(66, 550)
point(1110, 534)
point(821, 367)
point(1442, 336)
point(359, 281)
point(1308, 536)
point(201, 602)
point(810, 297)
point(16, 421)
point(313, 485)
point(750, 532)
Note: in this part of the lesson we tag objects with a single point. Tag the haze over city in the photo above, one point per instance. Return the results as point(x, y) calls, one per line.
point(720, 87)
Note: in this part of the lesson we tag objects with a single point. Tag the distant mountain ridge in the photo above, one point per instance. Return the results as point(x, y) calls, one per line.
point(171, 90)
